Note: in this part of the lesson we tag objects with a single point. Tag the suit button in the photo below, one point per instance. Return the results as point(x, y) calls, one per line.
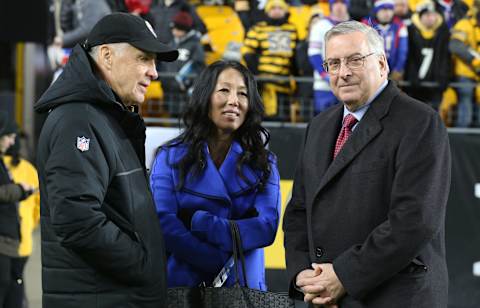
point(319, 252)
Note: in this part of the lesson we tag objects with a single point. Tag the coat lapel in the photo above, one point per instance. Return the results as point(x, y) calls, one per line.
point(222, 183)
point(228, 171)
point(368, 128)
point(325, 136)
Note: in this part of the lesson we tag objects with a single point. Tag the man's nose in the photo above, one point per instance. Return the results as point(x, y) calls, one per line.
point(152, 71)
point(344, 70)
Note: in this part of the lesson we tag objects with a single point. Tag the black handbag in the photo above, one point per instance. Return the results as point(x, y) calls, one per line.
point(228, 297)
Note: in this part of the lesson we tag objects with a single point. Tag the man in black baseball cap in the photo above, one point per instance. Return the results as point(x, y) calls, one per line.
point(101, 241)
point(128, 28)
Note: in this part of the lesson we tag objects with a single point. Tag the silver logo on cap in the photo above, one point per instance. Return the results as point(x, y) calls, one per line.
point(149, 26)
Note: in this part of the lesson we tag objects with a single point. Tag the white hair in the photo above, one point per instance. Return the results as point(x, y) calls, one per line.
point(374, 40)
point(117, 47)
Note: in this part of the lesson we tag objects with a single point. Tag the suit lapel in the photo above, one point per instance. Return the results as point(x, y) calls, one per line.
point(368, 128)
point(324, 136)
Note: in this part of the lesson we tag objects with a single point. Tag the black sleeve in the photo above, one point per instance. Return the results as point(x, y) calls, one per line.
point(12, 193)
point(459, 49)
point(252, 62)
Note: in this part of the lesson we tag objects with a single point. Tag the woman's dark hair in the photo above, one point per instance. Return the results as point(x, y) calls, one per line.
point(199, 127)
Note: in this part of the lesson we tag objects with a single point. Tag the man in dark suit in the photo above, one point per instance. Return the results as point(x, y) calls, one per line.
point(365, 225)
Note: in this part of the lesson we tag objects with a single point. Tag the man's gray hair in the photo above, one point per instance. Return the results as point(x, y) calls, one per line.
point(118, 47)
point(374, 40)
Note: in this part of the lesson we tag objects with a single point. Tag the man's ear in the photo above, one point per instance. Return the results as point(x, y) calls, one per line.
point(384, 69)
point(106, 56)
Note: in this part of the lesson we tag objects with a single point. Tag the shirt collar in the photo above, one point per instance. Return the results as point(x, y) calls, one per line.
point(360, 112)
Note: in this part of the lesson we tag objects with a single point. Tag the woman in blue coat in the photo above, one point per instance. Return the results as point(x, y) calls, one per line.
point(217, 170)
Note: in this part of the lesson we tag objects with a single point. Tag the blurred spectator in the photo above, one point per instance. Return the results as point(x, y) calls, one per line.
point(402, 11)
point(23, 171)
point(269, 51)
point(250, 12)
point(305, 68)
point(394, 33)
point(191, 57)
point(464, 46)
point(163, 13)
point(11, 192)
point(77, 18)
point(358, 9)
point(428, 55)
point(453, 10)
point(323, 96)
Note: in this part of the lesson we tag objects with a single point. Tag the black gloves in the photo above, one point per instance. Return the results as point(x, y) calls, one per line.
point(185, 216)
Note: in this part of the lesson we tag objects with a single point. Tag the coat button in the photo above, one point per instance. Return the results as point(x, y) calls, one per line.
point(319, 252)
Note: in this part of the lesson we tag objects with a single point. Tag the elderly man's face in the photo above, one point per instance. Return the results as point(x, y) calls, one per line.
point(355, 86)
point(131, 72)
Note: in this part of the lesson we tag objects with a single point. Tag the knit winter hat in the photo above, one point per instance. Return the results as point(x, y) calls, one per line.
point(271, 3)
point(424, 7)
point(7, 124)
point(383, 4)
point(182, 21)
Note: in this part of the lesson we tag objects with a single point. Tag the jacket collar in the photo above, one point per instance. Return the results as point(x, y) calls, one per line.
point(222, 183)
point(368, 128)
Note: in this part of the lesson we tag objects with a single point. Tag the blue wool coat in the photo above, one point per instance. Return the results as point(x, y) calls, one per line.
point(216, 196)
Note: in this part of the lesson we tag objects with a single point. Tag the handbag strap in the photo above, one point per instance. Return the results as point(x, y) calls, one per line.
point(234, 251)
point(238, 256)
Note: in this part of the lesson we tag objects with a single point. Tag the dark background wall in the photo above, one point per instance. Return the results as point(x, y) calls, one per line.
point(24, 20)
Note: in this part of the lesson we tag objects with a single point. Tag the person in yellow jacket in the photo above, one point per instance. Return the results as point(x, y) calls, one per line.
point(22, 171)
point(465, 46)
point(269, 51)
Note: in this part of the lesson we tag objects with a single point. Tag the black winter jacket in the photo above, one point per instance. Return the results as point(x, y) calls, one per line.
point(10, 194)
point(101, 241)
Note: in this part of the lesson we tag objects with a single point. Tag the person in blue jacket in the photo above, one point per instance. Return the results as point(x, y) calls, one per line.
point(395, 36)
point(217, 170)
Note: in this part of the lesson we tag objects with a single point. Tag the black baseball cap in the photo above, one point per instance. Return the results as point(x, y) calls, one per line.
point(128, 28)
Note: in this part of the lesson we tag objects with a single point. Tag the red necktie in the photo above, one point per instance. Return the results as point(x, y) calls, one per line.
point(348, 122)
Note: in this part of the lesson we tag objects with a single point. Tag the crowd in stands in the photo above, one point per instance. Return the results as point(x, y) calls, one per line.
point(431, 45)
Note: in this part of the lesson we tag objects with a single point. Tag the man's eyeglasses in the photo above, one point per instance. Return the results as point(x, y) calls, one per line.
point(354, 62)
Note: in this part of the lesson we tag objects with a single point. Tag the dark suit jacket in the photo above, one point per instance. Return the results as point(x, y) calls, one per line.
point(377, 211)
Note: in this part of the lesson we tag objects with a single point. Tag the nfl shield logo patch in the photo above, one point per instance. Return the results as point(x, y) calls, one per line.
point(83, 144)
